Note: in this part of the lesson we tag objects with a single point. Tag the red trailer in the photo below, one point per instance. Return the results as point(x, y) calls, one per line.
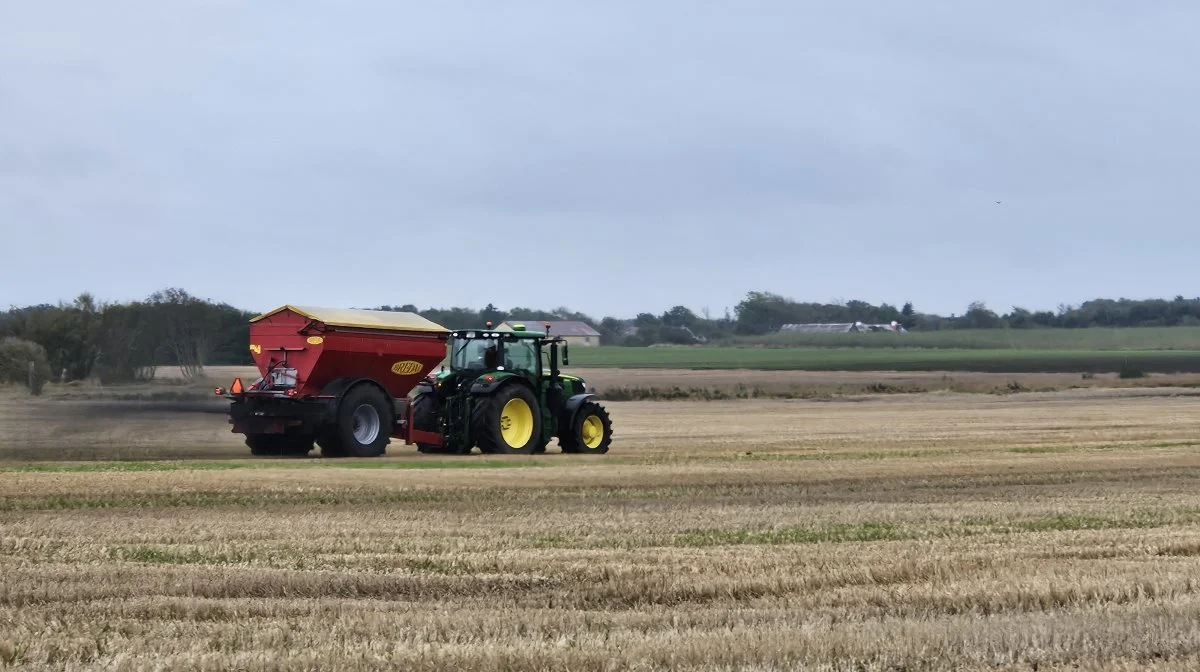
point(336, 377)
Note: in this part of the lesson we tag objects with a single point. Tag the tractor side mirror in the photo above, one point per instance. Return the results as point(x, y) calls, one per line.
point(566, 355)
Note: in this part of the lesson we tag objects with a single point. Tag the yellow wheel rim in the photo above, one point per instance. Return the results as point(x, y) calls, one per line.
point(516, 423)
point(592, 431)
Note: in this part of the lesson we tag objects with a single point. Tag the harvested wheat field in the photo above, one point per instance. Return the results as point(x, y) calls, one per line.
point(932, 531)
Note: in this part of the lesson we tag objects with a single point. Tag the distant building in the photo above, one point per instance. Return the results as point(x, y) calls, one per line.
point(575, 332)
point(841, 328)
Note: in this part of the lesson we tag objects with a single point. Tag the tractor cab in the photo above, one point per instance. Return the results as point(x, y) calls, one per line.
point(529, 354)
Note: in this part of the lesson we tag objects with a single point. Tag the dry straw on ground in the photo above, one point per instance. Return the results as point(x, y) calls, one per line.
point(941, 531)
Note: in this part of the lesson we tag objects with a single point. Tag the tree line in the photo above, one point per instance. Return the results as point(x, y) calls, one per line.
point(128, 342)
point(123, 342)
point(764, 312)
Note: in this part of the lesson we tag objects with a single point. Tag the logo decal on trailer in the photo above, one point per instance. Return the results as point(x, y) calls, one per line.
point(406, 368)
point(256, 349)
point(315, 340)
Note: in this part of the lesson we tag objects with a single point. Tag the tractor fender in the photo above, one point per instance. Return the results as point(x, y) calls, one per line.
point(575, 401)
point(573, 405)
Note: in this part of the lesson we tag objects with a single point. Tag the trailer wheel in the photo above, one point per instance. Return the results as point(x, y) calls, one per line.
point(590, 431)
point(364, 422)
point(509, 422)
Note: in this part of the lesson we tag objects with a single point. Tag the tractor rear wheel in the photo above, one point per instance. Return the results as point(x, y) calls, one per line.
point(364, 423)
point(509, 422)
point(590, 431)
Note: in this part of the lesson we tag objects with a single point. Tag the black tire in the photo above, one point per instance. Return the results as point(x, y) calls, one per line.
point(298, 446)
point(581, 437)
point(330, 445)
point(364, 423)
point(425, 418)
point(497, 429)
point(279, 445)
point(265, 445)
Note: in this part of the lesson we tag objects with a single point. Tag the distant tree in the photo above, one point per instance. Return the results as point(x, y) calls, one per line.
point(186, 329)
point(979, 316)
point(1019, 318)
point(67, 332)
point(679, 316)
point(406, 308)
point(647, 320)
point(612, 331)
point(908, 316)
point(23, 362)
point(1044, 318)
point(764, 312)
point(491, 313)
point(127, 341)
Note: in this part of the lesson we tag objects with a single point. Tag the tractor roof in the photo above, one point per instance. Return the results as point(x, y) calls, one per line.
point(506, 334)
point(361, 319)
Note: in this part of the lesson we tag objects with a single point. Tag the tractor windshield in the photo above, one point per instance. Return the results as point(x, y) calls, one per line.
point(483, 354)
point(474, 354)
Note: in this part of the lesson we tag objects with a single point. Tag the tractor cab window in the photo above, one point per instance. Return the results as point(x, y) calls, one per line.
point(476, 354)
point(521, 356)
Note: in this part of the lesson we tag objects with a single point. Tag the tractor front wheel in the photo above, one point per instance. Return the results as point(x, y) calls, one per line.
point(509, 422)
point(590, 432)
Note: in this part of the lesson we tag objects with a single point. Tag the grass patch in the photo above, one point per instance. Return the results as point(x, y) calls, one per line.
point(229, 499)
point(887, 531)
point(168, 556)
point(1100, 447)
point(1092, 338)
point(831, 533)
point(432, 566)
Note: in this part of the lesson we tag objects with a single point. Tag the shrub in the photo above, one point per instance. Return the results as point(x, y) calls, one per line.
point(1131, 372)
point(15, 357)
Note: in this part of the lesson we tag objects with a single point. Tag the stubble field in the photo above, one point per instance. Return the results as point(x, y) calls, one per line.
point(926, 531)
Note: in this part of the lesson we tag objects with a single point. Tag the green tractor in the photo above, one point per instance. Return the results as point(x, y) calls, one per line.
point(503, 391)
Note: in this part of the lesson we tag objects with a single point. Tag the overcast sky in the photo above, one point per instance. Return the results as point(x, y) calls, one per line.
point(614, 157)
